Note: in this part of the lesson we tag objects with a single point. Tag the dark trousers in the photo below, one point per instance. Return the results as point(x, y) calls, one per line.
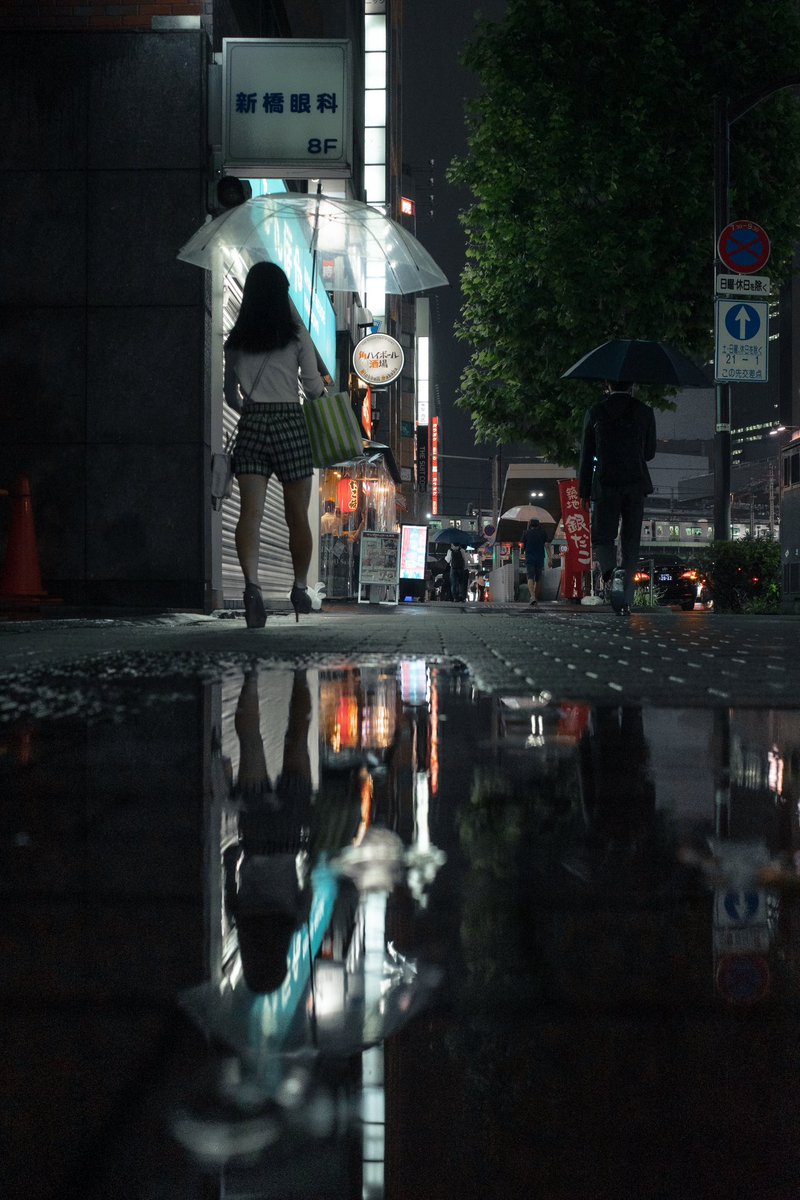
point(458, 584)
point(618, 511)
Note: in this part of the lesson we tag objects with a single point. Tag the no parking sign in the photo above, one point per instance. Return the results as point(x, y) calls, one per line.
point(744, 246)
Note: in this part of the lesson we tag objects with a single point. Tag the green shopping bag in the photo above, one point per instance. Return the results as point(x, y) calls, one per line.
point(333, 430)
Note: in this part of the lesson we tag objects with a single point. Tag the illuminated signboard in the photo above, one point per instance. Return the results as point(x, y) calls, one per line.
point(434, 464)
point(366, 412)
point(422, 457)
point(347, 495)
point(287, 108)
point(287, 244)
point(378, 359)
point(413, 551)
point(413, 681)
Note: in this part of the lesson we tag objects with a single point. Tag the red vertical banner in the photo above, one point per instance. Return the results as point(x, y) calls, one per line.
point(434, 463)
point(366, 412)
point(578, 534)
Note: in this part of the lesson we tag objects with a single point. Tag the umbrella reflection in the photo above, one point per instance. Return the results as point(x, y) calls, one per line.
point(309, 974)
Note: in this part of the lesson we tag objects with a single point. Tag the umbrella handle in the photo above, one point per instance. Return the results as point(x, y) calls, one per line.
point(314, 255)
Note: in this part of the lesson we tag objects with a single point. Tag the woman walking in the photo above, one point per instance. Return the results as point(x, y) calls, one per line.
point(264, 353)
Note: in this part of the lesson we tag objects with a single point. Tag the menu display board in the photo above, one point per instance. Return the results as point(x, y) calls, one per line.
point(379, 563)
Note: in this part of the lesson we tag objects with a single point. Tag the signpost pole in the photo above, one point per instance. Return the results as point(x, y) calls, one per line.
point(722, 435)
point(725, 115)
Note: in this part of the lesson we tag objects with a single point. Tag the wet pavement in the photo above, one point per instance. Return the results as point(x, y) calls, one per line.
point(419, 903)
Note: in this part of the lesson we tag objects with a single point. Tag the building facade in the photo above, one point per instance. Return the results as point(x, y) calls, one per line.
point(111, 346)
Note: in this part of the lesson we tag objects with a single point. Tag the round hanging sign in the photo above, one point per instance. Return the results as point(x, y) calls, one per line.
point(744, 247)
point(378, 359)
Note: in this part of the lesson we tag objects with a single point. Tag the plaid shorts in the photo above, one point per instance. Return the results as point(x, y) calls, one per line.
point(272, 440)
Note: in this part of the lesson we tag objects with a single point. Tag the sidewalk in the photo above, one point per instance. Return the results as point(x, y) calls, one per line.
point(572, 652)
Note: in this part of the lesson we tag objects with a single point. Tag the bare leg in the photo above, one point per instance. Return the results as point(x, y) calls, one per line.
point(252, 760)
point(296, 496)
point(252, 493)
point(532, 586)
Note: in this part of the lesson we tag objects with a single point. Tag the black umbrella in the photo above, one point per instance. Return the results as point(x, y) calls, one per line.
point(460, 537)
point(639, 362)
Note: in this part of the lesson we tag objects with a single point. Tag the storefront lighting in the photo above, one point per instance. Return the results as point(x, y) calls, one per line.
point(775, 770)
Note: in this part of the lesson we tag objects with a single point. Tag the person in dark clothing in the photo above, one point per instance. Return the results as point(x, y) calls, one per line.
point(458, 573)
point(536, 548)
point(619, 439)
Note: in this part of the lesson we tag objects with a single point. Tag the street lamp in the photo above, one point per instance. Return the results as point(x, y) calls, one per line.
point(726, 113)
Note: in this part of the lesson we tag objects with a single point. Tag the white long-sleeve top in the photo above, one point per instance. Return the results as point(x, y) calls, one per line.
point(279, 378)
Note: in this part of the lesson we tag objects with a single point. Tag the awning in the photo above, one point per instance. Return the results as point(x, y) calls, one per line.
point(373, 453)
point(376, 450)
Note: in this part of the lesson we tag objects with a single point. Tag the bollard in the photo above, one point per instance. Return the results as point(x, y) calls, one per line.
point(21, 578)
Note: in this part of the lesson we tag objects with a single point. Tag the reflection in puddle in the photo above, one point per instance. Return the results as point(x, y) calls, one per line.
point(436, 944)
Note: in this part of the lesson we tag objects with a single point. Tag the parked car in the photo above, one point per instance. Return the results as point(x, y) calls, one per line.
point(674, 582)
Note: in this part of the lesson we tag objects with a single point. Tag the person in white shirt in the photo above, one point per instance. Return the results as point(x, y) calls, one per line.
point(331, 521)
point(267, 355)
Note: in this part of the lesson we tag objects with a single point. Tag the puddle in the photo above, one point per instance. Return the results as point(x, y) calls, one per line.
point(370, 932)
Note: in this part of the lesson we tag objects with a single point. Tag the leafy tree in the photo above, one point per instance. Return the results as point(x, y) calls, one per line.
point(590, 160)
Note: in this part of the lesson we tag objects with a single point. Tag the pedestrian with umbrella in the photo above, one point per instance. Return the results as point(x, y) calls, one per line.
point(267, 354)
point(537, 548)
point(458, 572)
point(455, 558)
point(618, 441)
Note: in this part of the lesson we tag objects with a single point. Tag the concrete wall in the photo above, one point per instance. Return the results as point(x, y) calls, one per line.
point(102, 332)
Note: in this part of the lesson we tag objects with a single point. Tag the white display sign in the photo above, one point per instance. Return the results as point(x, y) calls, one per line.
point(378, 359)
point(757, 286)
point(742, 341)
point(286, 108)
point(379, 568)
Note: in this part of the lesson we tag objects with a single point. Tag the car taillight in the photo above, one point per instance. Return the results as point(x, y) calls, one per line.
point(641, 577)
point(689, 575)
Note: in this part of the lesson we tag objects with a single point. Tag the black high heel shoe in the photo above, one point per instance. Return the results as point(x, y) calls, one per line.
point(306, 600)
point(255, 614)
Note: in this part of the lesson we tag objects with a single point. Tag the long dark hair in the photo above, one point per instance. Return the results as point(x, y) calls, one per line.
point(265, 320)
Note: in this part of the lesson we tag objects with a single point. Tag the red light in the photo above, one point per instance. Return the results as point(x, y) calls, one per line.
point(755, 579)
point(641, 577)
point(689, 575)
point(407, 207)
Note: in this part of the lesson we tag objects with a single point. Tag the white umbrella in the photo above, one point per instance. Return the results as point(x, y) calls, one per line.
point(350, 242)
point(527, 512)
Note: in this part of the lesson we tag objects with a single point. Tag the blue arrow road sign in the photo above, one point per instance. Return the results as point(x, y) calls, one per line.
point(742, 341)
point(741, 906)
point(742, 322)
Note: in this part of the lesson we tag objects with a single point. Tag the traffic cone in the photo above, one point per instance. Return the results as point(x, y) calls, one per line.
point(21, 578)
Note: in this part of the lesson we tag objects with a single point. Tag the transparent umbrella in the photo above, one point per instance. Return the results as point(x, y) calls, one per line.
point(351, 242)
point(527, 512)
